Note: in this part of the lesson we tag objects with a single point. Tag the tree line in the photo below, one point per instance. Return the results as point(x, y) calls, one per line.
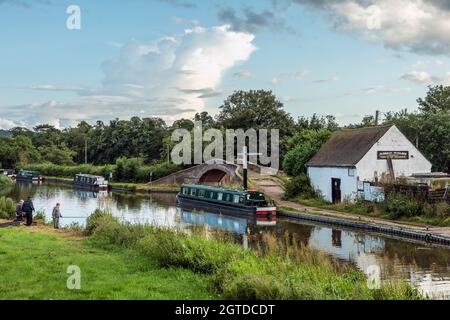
point(148, 139)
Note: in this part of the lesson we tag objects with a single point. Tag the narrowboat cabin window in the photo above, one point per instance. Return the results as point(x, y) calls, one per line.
point(236, 198)
point(219, 196)
point(193, 192)
point(201, 193)
point(185, 191)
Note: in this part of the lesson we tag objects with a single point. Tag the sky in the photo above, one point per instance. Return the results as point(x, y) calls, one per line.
point(173, 58)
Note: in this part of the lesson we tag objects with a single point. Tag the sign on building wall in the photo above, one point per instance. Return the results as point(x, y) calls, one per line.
point(395, 155)
point(371, 193)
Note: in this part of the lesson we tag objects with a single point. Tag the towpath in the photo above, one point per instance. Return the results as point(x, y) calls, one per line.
point(272, 187)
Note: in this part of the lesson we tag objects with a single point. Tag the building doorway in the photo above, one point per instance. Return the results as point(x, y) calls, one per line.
point(336, 190)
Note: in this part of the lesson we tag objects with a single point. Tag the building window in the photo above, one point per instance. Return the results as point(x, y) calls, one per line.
point(351, 172)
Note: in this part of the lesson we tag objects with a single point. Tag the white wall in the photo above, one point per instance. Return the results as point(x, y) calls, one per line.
point(393, 140)
point(321, 181)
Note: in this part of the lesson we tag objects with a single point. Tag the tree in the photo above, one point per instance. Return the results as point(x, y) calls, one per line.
point(429, 129)
point(57, 154)
point(17, 150)
point(317, 122)
point(255, 109)
point(303, 146)
point(437, 100)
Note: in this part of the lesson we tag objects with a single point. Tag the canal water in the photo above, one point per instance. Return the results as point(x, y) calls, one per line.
point(426, 267)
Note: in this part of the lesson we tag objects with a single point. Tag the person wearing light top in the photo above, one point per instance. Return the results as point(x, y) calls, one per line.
point(56, 214)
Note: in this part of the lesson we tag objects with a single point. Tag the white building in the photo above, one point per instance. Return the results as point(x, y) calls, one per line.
point(353, 156)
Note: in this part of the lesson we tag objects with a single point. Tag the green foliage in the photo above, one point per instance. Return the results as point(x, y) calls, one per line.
point(14, 150)
point(50, 169)
point(57, 154)
point(255, 109)
point(34, 264)
point(401, 204)
point(6, 184)
point(128, 170)
point(437, 100)
point(303, 146)
point(7, 208)
point(299, 186)
point(194, 252)
point(94, 219)
point(275, 270)
point(40, 215)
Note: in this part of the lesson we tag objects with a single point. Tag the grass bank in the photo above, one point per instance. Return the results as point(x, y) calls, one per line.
point(34, 263)
point(123, 261)
point(274, 270)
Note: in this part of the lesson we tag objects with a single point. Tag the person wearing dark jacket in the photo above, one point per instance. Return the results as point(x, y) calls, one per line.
point(28, 208)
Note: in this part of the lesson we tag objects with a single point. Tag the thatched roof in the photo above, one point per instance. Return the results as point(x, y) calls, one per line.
point(347, 147)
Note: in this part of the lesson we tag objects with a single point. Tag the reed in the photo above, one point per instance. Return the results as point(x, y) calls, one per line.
point(275, 269)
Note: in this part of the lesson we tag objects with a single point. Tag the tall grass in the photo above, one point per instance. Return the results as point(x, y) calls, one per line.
point(277, 269)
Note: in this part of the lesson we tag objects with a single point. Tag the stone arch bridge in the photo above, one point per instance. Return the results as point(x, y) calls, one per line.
point(206, 173)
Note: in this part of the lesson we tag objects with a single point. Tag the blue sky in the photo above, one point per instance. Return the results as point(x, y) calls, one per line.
point(172, 58)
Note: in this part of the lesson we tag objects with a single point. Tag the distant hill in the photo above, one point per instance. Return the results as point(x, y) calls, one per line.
point(5, 133)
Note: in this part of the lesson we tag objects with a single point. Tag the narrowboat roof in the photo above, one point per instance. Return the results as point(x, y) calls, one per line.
point(217, 189)
point(29, 171)
point(88, 175)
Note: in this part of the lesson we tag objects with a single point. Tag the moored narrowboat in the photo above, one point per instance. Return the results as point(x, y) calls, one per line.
point(91, 182)
point(28, 175)
point(8, 172)
point(225, 200)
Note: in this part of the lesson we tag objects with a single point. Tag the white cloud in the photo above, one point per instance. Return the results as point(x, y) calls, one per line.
point(420, 77)
point(244, 74)
point(6, 124)
point(192, 62)
point(169, 79)
point(425, 78)
point(415, 25)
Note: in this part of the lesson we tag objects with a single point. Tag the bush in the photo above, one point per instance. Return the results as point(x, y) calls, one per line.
point(171, 248)
point(94, 219)
point(442, 210)
point(131, 170)
point(40, 215)
point(299, 185)
point(7, 208)
point(402, 205)
point(5, 184)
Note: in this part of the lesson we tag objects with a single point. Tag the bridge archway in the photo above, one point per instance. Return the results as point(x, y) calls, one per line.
point(216, 174)
point(213, 177)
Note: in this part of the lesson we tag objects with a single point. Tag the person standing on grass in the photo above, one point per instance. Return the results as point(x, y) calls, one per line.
point(56, 214)
point(28, 208)
point(19, 211)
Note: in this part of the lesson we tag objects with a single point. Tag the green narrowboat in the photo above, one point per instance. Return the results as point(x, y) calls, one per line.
point(27, 175)
point(225, 200)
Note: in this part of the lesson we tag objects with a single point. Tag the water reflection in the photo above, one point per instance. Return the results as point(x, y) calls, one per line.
point(424, 266)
